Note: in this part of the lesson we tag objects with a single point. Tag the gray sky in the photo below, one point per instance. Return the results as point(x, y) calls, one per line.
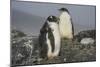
point(83, 16)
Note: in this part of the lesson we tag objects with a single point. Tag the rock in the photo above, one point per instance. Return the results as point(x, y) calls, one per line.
point(23, 48)
point(85, 34)
point(65, 59)
point(87, 41)
point(26, 50)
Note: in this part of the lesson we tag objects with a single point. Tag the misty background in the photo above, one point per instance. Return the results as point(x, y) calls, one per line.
point(29, 17)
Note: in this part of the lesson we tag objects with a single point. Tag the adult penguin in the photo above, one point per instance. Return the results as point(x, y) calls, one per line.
point(49, 38)
point(65, 24)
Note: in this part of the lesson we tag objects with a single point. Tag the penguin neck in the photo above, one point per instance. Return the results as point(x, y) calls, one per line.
point(53, 26)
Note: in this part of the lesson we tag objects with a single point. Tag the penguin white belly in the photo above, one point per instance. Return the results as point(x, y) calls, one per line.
point(57, 38)
point(65, 26)
point(57, 42)
point(56, 34)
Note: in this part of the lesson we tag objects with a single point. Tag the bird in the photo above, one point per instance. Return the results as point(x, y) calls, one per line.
point(65, 24)
point(49, 38)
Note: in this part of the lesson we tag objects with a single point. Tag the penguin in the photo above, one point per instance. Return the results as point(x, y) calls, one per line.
point(65, 24)
point(49, 38)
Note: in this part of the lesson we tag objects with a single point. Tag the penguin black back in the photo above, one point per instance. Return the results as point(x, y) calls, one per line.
point(42, 40)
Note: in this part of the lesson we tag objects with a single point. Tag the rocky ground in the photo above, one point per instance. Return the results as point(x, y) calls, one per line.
point(25, 51)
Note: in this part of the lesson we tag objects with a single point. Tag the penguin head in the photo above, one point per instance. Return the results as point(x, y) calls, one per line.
point(64, 10)
point(52, 18)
